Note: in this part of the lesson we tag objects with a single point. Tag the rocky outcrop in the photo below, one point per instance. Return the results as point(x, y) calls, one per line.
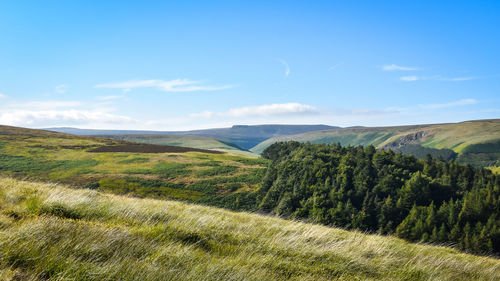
point(413, 138)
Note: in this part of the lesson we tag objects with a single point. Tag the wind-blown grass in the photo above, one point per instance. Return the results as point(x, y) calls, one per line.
point(56, 233)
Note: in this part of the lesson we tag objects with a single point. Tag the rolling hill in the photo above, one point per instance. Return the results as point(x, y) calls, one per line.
point(52, 232)
point(123, 167)
point(239, 136)
point(471, 142)
point(201, 142)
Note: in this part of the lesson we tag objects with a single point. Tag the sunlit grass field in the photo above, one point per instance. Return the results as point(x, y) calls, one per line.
point(193, 176)
point(51, 232)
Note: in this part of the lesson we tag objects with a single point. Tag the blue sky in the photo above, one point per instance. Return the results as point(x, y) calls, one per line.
point(173, 65)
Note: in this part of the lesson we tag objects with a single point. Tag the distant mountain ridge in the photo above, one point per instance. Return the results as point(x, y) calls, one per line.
point(242, 136)
point(474, 142)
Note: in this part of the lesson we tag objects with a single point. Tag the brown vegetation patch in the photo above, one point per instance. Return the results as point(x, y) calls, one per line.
point(149, 148)
point(75, 147)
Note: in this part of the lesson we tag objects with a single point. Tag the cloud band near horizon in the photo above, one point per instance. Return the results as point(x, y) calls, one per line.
point(176, 85)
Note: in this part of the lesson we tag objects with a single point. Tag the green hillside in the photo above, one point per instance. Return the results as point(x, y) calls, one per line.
point(474, 142)
point(201, 142)
point(345, 136)
point(163, 172)
point(51, 232)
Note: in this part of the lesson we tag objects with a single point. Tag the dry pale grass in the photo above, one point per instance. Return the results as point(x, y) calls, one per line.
point(56, 233)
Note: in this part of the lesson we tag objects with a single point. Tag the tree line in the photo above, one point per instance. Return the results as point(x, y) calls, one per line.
point(424, 200)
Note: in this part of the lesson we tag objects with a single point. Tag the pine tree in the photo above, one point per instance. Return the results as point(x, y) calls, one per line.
point(465, 240)
point(406, 228)
point(431, 218)
point(434, 235)
point(454, 233)
point(442, 236)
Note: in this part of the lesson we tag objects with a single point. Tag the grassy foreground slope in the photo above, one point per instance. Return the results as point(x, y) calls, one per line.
point(50, 232)
point(193, 175)
point(475, 142)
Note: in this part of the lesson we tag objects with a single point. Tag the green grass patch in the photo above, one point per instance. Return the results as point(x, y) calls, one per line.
point(252, 161)
point(120, 186)
point(163, 169)
point(22, 164)
point(216, 171)
point(171, 169)
point(135, 160)
point(85, 235)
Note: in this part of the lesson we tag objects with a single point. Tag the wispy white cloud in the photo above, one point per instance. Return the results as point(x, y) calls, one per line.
point(44, 105)
point(287, 67)
point(2, 96)
point(461, 102)
point(333, 67)
point(61, 89)
point(363, 112)
point(59, 113)
point(437, 78)
point(278, 109)
point(177, 85)
point(274, 109)
point(51, 117)
point(21, 117)
point(394, 67)
point(455, 79)
point(409, 78)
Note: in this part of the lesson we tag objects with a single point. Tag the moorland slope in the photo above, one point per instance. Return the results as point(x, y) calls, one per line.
point(51, 232)
point(126, 168)
point(200, 142)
